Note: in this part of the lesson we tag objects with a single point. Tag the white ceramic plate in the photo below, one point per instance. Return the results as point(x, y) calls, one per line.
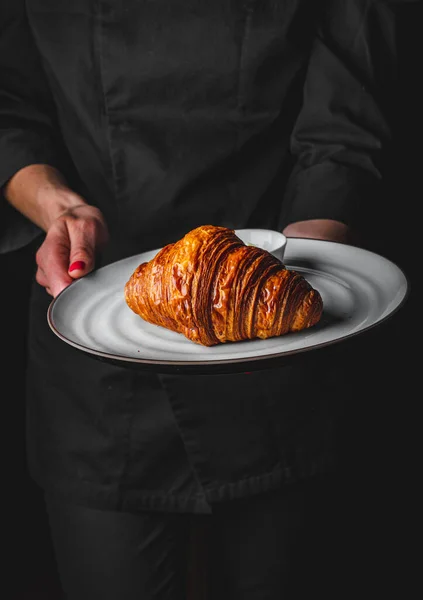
point(360, 290)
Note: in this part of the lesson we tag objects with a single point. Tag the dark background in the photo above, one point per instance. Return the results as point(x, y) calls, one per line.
point(384, 488)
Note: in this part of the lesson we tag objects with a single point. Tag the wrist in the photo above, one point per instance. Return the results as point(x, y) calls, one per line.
point(41, 193)
point(53, 201)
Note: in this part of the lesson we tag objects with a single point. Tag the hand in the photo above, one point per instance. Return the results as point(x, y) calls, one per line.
point(322, 229)
point(68, 252)
point(75, 231)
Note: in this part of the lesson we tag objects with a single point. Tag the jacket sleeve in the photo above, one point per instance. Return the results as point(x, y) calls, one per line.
point(342, 139)
point(28, 133)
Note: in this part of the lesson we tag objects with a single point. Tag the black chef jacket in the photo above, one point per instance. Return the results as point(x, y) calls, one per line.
point(169, 114)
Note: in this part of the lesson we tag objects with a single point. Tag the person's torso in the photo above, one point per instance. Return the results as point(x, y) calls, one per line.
point(177, 113)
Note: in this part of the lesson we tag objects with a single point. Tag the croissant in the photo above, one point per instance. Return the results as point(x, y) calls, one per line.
point(212, 288)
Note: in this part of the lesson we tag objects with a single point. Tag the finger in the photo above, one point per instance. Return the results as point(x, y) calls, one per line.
point(52, 260)
point(57, 287)
point(41, 279)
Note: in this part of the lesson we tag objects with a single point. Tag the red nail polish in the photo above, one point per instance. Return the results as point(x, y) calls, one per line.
point(78, 264)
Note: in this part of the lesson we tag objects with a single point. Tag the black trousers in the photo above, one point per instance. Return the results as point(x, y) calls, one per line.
point(276, 546)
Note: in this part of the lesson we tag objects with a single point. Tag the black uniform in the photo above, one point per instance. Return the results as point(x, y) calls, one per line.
point(169, 115)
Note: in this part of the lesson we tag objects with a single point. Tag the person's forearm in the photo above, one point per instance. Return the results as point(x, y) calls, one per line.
point(41, 194)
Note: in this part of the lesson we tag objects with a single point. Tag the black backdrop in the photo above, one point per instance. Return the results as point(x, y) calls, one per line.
point(388, 478)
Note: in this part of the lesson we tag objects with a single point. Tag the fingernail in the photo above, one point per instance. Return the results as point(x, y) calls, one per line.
point(77, 265)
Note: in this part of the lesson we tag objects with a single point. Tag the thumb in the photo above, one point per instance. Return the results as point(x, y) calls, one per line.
point(81, 262)
point(86, 236)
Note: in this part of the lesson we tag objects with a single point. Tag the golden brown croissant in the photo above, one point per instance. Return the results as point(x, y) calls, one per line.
point(213, 288)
